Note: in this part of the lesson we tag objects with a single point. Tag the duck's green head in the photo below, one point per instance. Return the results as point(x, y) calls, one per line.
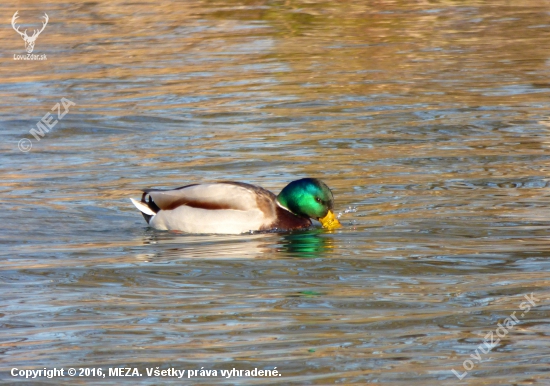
point(312, 198)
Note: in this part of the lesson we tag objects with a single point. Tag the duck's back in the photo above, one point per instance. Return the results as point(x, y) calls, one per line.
point(223, 207)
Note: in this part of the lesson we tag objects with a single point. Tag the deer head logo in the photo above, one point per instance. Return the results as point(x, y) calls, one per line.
point(29, 40)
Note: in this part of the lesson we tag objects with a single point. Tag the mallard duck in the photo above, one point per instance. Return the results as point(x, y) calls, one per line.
point(235, 207)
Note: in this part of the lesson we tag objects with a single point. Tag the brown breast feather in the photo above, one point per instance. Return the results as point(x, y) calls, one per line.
point(275, 216)
point(286, 220)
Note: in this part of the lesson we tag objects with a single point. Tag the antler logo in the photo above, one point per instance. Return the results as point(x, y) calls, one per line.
point(29, 40)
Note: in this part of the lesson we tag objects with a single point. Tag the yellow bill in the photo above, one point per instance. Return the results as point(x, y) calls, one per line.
point(330, 221)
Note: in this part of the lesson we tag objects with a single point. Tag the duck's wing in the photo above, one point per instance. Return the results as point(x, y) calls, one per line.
point(223, 207)
point(215, 196)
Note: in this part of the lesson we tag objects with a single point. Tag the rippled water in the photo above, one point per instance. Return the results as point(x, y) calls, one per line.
point(429, 117)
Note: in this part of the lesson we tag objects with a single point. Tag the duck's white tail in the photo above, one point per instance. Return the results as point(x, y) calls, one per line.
point(142, 207)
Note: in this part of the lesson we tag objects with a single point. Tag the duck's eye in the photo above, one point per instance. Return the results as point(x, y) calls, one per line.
point(318, 200)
